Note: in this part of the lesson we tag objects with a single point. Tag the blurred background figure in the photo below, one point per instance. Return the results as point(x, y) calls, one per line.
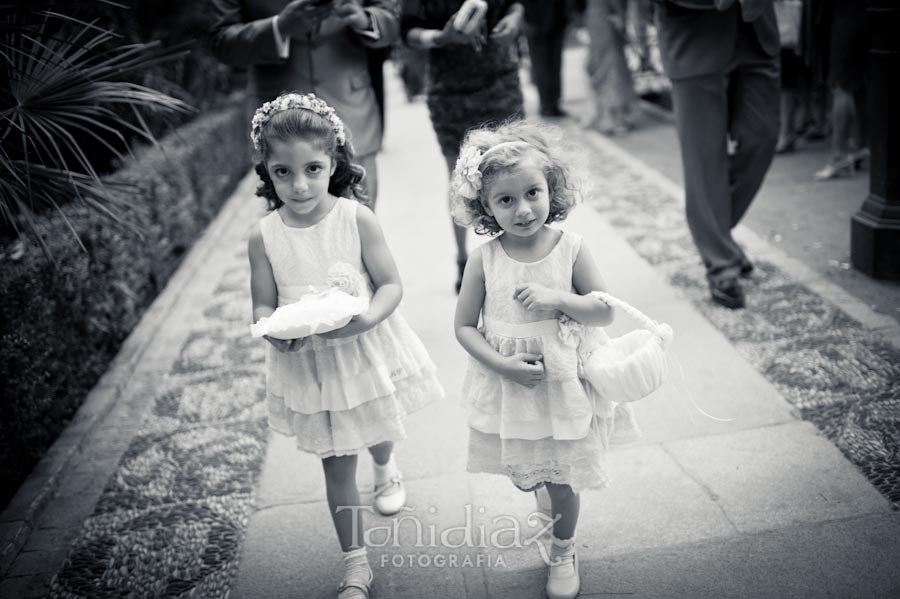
point(722, 57)
point(318, 46)
point(473, 74)
point(847, 71)
point(615, 101)
point(545, 28)
point(803, 27)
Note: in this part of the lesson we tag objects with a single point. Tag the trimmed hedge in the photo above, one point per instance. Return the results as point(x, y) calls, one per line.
point(60, 326)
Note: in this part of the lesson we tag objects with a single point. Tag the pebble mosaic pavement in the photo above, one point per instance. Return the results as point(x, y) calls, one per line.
point(836, 373)
point(169, 522)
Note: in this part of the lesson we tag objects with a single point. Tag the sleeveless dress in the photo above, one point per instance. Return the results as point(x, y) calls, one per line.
point(558, 431)
point(339, 396)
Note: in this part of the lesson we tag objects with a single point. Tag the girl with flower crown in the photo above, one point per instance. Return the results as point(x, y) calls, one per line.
point(346, 391)
point(530, 416)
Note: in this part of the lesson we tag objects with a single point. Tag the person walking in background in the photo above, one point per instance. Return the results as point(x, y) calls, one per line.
point(530, 416)
point(317, 46)
point(722, 58)
point(473, 71)
point(615, 100)
point(545, 28)
point(346, 391)
point(847, 71)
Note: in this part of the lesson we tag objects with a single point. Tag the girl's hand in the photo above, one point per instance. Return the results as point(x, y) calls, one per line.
point(358, 324)
point(537, 297)
point(507, 28)
point(525, 369)
point(285, 345)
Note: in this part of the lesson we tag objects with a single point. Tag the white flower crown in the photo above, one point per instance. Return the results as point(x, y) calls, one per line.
point(292, 100)
point(467, 172)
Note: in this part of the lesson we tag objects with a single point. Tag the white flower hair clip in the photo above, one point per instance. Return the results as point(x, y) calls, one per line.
point(293, 100)
point(467, 172)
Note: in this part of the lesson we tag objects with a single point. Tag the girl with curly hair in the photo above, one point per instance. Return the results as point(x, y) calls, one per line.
point(349, 390)
point(530, 416)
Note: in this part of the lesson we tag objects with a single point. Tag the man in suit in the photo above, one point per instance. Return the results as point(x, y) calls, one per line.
point(723, 59)
point(318, 46)
point(545, 29)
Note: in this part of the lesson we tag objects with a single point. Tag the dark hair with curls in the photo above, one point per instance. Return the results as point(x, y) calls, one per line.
point(294, 123)
point(542, 143)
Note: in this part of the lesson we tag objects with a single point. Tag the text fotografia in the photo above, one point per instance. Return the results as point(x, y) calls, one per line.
point(495, 534)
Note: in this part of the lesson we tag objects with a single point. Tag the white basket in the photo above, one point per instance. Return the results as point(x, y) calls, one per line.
point(626, 368)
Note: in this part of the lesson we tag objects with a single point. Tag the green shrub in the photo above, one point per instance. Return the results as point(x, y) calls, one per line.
point(60, 326)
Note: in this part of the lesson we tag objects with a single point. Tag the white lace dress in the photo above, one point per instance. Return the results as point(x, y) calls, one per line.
point(339, 396)
point(558, 431)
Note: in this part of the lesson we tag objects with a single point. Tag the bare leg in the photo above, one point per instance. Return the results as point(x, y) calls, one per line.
point(459, 233)
point(566, 504)
point(340, 486)
point(381, 453)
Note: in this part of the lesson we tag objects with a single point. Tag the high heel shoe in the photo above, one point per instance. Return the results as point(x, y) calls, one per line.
point(460, 269)
point(843, 166)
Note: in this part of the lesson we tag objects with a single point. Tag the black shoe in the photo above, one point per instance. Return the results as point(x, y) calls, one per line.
point(553, 112)
point(728, 294)
point(746, 269)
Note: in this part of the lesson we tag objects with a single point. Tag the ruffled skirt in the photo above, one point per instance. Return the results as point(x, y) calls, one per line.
point(341, 396)
point(557, 432)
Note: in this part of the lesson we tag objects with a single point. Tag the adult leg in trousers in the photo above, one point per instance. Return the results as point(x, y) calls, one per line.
point(753, 100)
point(701, 114)
point(545, 52)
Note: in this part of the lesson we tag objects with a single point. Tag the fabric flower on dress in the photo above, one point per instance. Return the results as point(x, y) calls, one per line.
point(292, 100)
point(346, 278)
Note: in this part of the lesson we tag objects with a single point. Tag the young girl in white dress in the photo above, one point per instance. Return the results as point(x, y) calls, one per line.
point(349, 390)
point(530, 416)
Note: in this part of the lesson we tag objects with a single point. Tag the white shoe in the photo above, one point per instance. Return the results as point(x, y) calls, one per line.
point(356, 589)
point(390, 497)
point(563, 581)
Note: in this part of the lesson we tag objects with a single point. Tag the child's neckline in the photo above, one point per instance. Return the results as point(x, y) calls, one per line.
point(542, 258)
point(313, 225)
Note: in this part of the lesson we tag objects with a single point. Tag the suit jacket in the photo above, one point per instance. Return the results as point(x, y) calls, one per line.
point(331, 63)
point(695, 42)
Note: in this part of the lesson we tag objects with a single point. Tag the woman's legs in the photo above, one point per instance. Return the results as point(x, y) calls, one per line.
point(459, 233)
point(340, 488)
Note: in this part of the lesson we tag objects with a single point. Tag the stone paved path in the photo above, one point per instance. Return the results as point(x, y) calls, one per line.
point(180, 491)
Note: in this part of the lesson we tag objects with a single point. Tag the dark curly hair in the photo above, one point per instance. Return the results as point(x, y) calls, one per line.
point(541, 142)
point(295, 123)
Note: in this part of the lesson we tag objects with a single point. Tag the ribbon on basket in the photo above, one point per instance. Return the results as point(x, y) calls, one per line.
point(627, 368)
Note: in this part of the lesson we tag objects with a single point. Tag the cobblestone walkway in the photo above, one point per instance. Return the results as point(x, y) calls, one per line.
point(835, 372)
point(171, 519)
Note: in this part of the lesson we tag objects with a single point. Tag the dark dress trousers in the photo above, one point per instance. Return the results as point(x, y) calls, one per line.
point(545, 29)
point(725, 86)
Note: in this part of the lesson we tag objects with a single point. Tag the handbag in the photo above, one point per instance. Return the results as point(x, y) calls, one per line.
point(626, 368)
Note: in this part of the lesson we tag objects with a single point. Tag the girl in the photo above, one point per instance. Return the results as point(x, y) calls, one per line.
point(530, 416)
point(348, 390)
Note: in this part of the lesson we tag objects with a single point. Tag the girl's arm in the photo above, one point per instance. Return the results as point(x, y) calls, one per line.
point(382, 270)
point(522, 368)
point(262, 285)
point(584, 308)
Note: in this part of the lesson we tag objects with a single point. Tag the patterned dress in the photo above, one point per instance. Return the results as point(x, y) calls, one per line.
point(466, 88)
point(557, 431)
point(339, 396)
